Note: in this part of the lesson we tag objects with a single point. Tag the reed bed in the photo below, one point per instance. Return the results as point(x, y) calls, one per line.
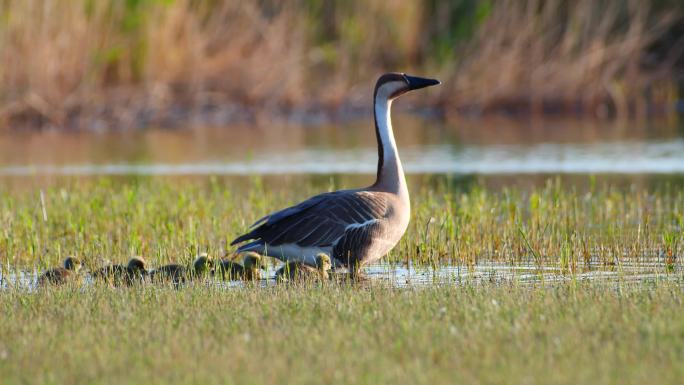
point(168, 220)
point(84, 64)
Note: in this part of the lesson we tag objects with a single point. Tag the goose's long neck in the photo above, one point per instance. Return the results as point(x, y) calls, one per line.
point(390, 174)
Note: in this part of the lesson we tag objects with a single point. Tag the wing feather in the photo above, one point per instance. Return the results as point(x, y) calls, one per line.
point(356, 242)
point(321, 220)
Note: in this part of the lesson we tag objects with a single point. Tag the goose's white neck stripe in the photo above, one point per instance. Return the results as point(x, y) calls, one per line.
point(383, 109)
point(391, 175)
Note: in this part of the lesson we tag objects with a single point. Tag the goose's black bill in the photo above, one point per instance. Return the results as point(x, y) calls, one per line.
point(416, 83)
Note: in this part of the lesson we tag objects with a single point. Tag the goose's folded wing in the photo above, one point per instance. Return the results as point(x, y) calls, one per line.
point(319, 221)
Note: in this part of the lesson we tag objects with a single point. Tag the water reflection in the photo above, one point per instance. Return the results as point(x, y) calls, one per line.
point(480, 147)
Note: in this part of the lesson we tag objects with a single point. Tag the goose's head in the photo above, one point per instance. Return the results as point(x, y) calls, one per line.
point(323, 262)
point(394, 84)
point(203, 263)
point(72, 263)
point(137, 264)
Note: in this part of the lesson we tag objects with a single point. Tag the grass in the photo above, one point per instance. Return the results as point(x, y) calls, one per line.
point(609, 332)
point(172, 62)
point(168, 220)
point(566, 334)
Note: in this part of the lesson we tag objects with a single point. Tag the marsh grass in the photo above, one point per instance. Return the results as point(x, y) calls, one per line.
point(168, 220)
point(571, 332)
point(564, 334)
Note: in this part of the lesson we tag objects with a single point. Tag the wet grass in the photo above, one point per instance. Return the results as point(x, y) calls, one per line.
point(565, 334)
point(170, 220)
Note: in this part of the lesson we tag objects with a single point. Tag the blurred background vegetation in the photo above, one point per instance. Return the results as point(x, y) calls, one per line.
point(134, 63)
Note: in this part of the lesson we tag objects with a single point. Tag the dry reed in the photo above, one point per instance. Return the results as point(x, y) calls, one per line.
point(85, 64)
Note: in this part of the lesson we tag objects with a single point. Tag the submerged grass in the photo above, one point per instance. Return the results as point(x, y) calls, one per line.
point(566, 334)
point(166, 219)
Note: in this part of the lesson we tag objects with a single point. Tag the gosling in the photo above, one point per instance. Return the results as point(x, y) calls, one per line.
point(178, 274)
point(118, 275)
point(300, 272)
point(250, 270)
point(62, 275)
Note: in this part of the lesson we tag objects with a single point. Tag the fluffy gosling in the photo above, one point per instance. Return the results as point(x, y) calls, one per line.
point(178, 274)
point(298, 271)
point(117, 275)
point(250, 270)
point(62, 275)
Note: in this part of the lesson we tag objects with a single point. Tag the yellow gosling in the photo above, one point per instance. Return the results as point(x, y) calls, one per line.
point(297, 271)
point(250, 270)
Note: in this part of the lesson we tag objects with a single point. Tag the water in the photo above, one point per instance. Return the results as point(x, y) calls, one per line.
point(489, 272)
point(656, 157)
point(426, 147)
point(521, 273)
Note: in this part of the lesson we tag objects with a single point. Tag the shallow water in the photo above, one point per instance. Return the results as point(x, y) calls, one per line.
point(407, 276)
point(521, 273)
